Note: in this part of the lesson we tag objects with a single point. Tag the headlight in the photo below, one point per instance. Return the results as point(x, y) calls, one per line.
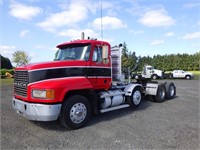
point(44, 94)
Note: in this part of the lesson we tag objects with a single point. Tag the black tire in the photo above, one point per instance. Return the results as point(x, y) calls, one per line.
point(188, 77)
point(170, 90)
point(160, 95)
point(76, 112)
point(136, 76)
point(150, 98)
point(170, 76)
point(136, 97)
point(154, 76)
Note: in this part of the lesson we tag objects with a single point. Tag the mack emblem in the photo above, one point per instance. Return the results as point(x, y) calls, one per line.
point(20, 84)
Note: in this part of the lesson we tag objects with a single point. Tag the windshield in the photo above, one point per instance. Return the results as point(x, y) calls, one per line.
point(150, 68)
point(74, 52)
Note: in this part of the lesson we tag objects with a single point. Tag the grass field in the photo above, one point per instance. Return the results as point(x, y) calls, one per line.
point(195, 72)
point(6, 81)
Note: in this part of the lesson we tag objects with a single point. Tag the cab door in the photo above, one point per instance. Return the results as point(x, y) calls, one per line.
point(176, 74)
point(100, 71)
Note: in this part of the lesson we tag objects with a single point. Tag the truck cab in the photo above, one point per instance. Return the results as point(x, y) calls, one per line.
point(80, 82)
point(97, 70)
point(150, 72)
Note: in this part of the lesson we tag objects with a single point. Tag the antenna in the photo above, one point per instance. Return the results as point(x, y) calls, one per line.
point(101, 24)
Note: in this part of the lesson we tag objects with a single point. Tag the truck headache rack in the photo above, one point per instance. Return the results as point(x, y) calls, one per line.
point(116, 63)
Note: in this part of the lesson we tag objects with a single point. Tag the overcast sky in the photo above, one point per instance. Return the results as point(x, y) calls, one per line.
point(149, 27)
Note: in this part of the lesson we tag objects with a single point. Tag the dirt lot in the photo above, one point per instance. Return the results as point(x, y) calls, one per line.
point(173, 124)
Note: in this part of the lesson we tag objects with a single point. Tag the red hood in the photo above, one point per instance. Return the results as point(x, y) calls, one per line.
point(52, 64)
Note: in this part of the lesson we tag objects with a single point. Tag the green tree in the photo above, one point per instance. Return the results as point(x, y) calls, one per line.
point(162, 62)
point(5, 63)
point(144, 61)
point(172, 62)
point(56, 54)
point(125, 62)
point(132, 59)
point(21, 58)
point(195, 61)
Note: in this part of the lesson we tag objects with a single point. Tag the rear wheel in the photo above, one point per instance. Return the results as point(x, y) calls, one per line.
point(136, 97)
point(188, 77)
point(75, 112)
point(161, 92)
point(170, 90)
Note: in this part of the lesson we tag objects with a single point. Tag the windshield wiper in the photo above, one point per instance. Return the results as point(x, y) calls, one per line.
point(69, 58)
point(56, 59)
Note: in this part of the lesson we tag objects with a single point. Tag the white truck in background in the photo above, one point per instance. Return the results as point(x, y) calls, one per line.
point(149, 72)
point(181, 74)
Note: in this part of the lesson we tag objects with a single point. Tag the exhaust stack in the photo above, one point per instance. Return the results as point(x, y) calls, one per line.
point(82, 36)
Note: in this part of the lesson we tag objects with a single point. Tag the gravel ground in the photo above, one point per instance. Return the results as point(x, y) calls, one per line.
point(173, 124)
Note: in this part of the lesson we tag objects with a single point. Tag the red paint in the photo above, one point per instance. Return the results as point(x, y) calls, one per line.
point(63, 85)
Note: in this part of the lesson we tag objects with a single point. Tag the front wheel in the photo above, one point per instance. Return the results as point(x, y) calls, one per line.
point(136, 97)
point(75, 112)
point(154, 77)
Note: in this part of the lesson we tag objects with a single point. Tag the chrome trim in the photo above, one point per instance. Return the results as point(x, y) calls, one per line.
point(38, 112)
point(114, 108)
point(68, 67)
point(20, 83)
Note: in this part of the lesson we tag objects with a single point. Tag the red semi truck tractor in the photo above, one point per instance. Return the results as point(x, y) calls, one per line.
point(80, 82)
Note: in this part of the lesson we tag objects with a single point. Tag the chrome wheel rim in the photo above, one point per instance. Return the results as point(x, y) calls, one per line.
point(136, 97)
point(188, 77)
point(78, 113)
point(172, 90)
point(162, 93)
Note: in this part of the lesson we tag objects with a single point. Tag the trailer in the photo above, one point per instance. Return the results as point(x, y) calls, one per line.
point(84, 79)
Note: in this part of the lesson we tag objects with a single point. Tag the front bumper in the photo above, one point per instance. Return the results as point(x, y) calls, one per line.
point(37, 112)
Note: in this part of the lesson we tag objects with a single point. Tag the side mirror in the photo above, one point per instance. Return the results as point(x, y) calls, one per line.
point(105, 52)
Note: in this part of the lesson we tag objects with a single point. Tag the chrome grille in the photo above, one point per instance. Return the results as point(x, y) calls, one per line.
point(20, 83)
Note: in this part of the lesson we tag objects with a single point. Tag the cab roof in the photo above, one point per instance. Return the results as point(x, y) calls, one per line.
point(82, 42)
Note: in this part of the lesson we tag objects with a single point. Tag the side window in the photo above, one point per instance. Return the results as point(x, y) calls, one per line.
point(87, 54)
point(97, 54)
